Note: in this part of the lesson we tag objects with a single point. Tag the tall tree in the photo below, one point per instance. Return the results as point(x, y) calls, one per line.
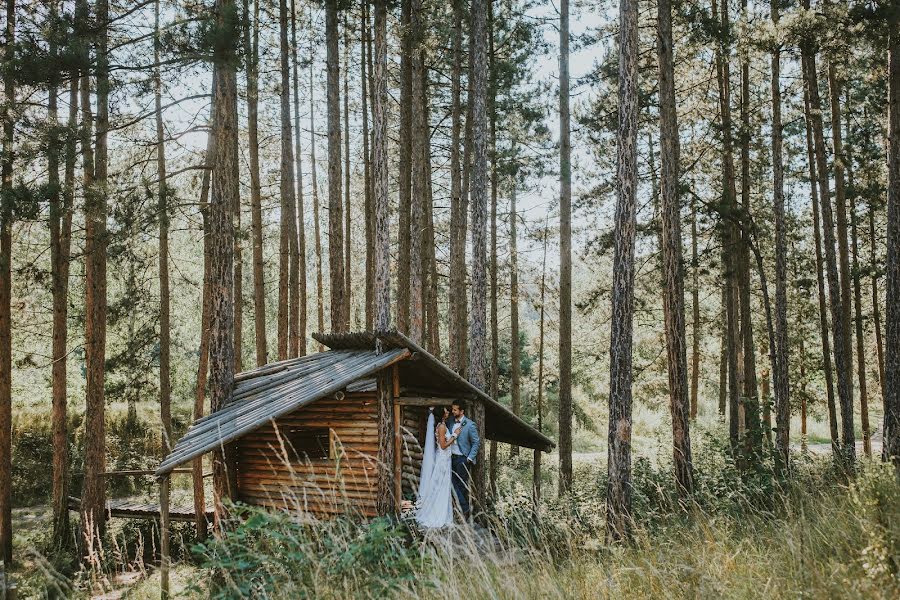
point(335, 207)
point(457, 317)
point(695, 312)
point(382, 316)
point(477, 323)
point(224, 195)
point(459, 262)
point(855, 217)
point(6, 215)
point(842, 366)
point(300, 294)
point(618, 488)
point(515, 384)
point(165, 351)
point(347, 216)
point(780, 376)
point(876, 311)
point(418, 132)
point(364, 33)
point(60, 256)
point(404, 177)
point(317, 223)
point(256, 226)
point(892, 264)
point(565, 256)
point(289, 267)
point(673, 262)
point(820, 278)
point(93, 497)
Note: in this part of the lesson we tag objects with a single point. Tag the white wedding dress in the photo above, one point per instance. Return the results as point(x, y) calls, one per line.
point(434, 507)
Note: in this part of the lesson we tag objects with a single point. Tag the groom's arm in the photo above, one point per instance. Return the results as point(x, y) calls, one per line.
point(476, 443)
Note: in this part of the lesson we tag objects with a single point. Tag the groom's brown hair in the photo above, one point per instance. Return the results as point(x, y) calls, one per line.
point(460, 405)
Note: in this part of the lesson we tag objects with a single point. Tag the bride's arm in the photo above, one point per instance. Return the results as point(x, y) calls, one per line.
point(442, 437)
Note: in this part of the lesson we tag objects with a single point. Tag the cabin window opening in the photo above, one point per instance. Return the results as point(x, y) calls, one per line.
point(310, 443)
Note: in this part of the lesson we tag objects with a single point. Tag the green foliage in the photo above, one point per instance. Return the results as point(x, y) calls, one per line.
point(270, 554)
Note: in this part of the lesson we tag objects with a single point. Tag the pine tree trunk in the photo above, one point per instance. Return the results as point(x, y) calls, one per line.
point(730, 236)
point(780, 374)
point(382, 314)
point(405, 175)
point(301, 211)
point(840, 202)
point(6, 216)
point(695, 312)
point(335, 206)
point(256, 224)
point(61, 244)
point(618, 488)
point(876, 310)
point(841, 363)
point(205, 320)
point(432, 321)
point(165, 386)
point(750, 391)
point(419, 130)
point(820, 280)
point(672, 257)
point(93, 497)
point(855, 216)
point(317, 224)
point(892, 263)
point(540, 374)
point(565, 255)
point(515, 351)
point(367, 169)
point(459, 315)
point(347, 216)
point(480, 133)
point(723, 356)
point(289, 265)
point(224, 195)
point(457, 329)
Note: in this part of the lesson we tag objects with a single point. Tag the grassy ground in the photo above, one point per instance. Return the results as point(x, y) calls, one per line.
point(742, 536)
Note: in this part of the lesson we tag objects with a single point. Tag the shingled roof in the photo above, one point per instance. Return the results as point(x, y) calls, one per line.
point(276, 389)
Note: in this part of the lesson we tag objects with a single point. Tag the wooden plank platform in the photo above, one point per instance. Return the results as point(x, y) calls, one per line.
point(133, 509)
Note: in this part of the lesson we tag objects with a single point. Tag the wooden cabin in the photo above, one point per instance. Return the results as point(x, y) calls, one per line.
point(302, 433)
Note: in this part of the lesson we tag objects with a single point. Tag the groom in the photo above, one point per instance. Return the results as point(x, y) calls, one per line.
point(463, 454)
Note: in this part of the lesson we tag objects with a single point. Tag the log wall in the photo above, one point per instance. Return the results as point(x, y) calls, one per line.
point(270, 474)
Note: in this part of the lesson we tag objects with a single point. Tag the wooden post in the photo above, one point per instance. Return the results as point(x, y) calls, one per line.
point(164, 537)
point(398, 458)
point(536, 477)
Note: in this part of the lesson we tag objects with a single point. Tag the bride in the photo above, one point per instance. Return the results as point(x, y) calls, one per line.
point(435, 504)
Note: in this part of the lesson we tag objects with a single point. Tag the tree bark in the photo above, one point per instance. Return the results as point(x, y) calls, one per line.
point(695, 312)
point(364, 33)
point(515, 352)
point(335, 207)
point(480, 133)
point(565, 253)
point(876, 310)
point(780, 374)
point(405, 175)
point(618, 488)
point(458, 236)
point(60, 249)
point(842, 366)
point(224, 195)
point(672, 257)
point(382, 310)
point(301, 211)
point(256, 226)
point(6, 217)
point(347, 216)
point(892, 263)
point(855, 216)
point(457, 328)
point(93, 498)
point(419, 131)
point(165, 386)
point(317, 224)
point(820, 280)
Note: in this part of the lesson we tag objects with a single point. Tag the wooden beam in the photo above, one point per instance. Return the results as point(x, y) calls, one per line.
point(164, 538)
point(536, 480)
point(398, 458)
point(423, 401)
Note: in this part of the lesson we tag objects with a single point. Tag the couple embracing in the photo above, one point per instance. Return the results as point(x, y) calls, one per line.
point(451, 447)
